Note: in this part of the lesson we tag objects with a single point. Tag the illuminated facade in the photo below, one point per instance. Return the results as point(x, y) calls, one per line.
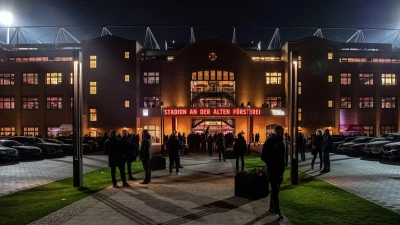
point(211, 83)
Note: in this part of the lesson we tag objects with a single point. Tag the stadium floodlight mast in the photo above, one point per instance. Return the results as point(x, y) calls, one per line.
point(6, 19)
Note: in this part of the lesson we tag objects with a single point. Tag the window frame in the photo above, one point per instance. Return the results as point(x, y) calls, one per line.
point(270, 77)
point(363, 99)
point(348, 100)
point(345, 77)
point(392, 102)
point(3, 101)
point(53, 78)
point(29, 99)
point(53, 99)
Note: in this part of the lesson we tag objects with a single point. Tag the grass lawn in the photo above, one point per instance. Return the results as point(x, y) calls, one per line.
point(314, 201)
point(26, 206)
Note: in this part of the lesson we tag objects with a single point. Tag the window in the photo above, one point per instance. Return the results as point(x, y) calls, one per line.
point(30, 79)
point(54, 103)
point(273, 102)
point(299, 88)
point(213, 75)
point(388, 129)
point(151, 77)
point(71, 102)
point(6, 79)
point(30, 103)
point(126, 77)
point(330, 103)
point(170, 58)
point(298, 114)
point(7, 103)
point(366, 102)
point(388, 79)
point(71, 78)
point(93, 61)
point(388, 102)
point(151, 102)
point(49, 129)
point(7, 131)
point(93, 115)
point(126, 103)
point(53, 78)
point(93, 87)
point(274, 78)
point(31, 131)
point(345, 78)
point(369, 130)
point(330, 55)
point(126, 55)
point(330, 78)
point(345, 102)
point(366, 78)
point(299, 61)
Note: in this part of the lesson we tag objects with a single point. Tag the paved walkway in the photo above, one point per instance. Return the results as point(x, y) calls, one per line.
point(202, 194)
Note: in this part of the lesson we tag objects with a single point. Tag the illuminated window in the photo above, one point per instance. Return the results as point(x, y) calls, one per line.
point(299, 88)
point(71, 102)
point(388, 79)
point(6, 79)
point(30, 103)
point(388, 102)
point(126, 103)
point(170, 58)
point(330, 78)
point(7, 131)
point(31, 131)
point(71, 78)
point(151, 102)
point(388, 129)
point(345, 78)
point(231, 76)
point(7, 103)
point(298, 114)
point(330, 103)
point(54, 103)
point(366, 78)
point(299, 61)
point(219, 75)
point(212, 75)
point(273, 78)
point(330, 55)
point(194, 77)
point(93, 87)
point(366, 102)
point(93, 61)
point(127, 78)
point(273, 102)
point(53, 78)
point(151, 77)
point(93, 115)
point(126, 55)
point(345, 102)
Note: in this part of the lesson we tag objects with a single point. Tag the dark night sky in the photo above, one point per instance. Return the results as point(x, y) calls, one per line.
point(267, 13)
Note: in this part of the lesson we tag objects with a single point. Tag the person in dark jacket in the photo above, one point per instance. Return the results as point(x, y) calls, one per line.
point(145, 155)
point(210, 143)
point(240, 149)
point(115, 159)
point(129, 148)
point(327, 148)
point(300, 145)
point(220, 142)
point(317, 148)
point(174, 146)
point(273, 154)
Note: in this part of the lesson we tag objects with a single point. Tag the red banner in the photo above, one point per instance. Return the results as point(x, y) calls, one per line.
point(211, 111)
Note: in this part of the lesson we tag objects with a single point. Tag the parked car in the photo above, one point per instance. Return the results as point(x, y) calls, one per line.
point(391, 150)
point(48, 149)
point(67, 148)
point(354, 146)
point(8, 154)
point(375, 148)
point(66, 140)
point(344, 140)
point(24, 152)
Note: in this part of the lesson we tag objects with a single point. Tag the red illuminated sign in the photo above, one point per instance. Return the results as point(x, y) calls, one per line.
point(211, 112)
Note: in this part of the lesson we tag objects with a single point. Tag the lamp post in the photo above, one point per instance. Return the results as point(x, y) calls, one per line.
point(162, 127)
point(293, 128)
point(77, 134)
point(248, 128)
point(6, 19)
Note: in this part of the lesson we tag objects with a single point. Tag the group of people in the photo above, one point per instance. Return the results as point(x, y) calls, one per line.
point(322, 144)
point(125, 150)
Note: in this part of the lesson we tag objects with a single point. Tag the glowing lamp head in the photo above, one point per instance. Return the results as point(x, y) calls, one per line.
point(6, 18)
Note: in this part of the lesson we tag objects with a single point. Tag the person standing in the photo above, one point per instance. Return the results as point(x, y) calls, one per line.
point(300, 145)
point(240, 149)
point(327, 148)
point(210, 143)
point(129, 148)
point(174, 146)
point(317, 148)
point(145, 156)
point(220, 142)
point(115, 159)
point(273, 154)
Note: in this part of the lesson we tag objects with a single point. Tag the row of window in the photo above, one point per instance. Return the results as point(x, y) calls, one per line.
point(368, 79)
point(266, 58)
point(93, 60)
point(41, 59)
point(26, 131)
point(33, 78)
point(368, 102)
point(373, 60)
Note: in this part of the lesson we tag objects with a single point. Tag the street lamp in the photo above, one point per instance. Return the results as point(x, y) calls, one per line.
point(162, 127)
point(6, 19)
point(248, 128)
point(293, 128)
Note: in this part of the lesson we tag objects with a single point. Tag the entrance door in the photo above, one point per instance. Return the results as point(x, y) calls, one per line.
point(214, 125)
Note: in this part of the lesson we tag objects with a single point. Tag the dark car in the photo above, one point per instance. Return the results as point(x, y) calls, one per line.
point(24, 152)
point(344, 140)
point(48, 149)
point(8, 154)
point(66, 140)
point(67, 148)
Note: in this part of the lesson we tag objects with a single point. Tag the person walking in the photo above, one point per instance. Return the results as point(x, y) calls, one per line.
point(240, 149)
point(145, 155)
point(174, 146)
point(317, 148)
point(273, 154)
point(115, 159)
point(327, 148)
point(220, 142)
